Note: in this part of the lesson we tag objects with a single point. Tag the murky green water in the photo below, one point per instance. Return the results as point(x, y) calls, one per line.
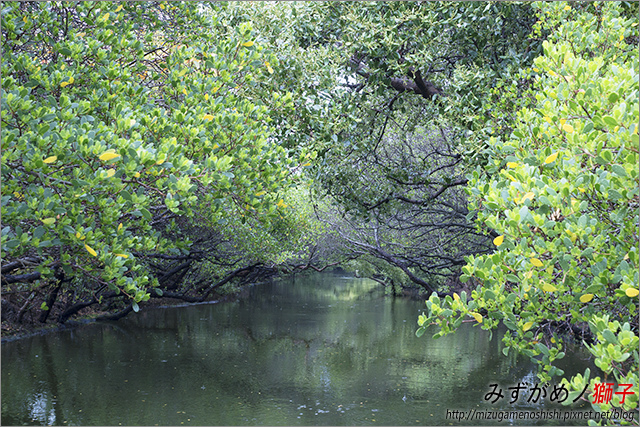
point(318, 350)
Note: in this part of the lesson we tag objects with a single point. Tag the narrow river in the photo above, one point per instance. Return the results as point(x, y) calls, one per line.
point(322, 349)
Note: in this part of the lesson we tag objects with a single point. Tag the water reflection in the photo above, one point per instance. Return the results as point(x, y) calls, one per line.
point(318, 350)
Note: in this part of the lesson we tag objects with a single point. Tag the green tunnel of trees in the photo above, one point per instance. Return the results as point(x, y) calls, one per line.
point(485, 152)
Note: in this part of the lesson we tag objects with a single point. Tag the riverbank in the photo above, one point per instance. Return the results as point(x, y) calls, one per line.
point(15, 326)
point(12, 330)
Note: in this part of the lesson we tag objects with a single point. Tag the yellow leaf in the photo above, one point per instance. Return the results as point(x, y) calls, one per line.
point(512, 165)
point(119, 8)
point(25, 19)
point(456, 296)
point(527, 326)
point(567, 7)
point(48, 221)
point(631, 292)
point(261, 193)
point(548, 288)
point(110, 172)
point(184, 91)
point(552, 158)
point(90, 250)
point(105, 17)
point(567, 128)
point(120, 227)
point(477, 316)
point(122, 255)
point(108, 156)
point(206, 96)
point(64, 84)
point(81, 34)
point(498, 240)
point(50, 159)
point(136, 175)
point(586, 297)
point(79, 236)
point(208, 117)
point(536, 262)
point(161, 6)
point(529, 195)
point(247, 44)
point(510, 177)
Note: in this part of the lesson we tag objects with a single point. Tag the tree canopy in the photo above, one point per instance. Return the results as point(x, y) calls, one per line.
point(131, 134)
point(561, 191)
point(486, 152)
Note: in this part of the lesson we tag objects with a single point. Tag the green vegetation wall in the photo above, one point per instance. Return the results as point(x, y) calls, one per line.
point(562, 193)
point(120, 120)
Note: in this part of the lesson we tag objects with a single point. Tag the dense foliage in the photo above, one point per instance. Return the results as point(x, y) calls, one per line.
point(167, 149)
point(385, 93)
point(561, 190)
point(133, 142)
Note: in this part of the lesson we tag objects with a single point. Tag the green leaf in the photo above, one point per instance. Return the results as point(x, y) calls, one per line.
point(542, 348)
point(619, 170)
point(610, 121)
point(48, 221)
point(39, 232)
point(609, 336)
point(145, 213)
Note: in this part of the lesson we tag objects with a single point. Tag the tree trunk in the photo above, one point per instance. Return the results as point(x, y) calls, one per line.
point(51, 300)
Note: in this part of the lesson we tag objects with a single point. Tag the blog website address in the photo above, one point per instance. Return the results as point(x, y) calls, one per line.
point(474, 415)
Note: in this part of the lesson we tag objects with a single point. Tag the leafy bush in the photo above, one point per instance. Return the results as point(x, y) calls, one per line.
point(561, 192)
point(118, 119)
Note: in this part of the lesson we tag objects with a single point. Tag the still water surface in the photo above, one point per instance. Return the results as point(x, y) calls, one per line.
point(317, 350)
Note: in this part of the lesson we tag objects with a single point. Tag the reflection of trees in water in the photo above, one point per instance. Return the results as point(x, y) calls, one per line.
point(310, 344)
